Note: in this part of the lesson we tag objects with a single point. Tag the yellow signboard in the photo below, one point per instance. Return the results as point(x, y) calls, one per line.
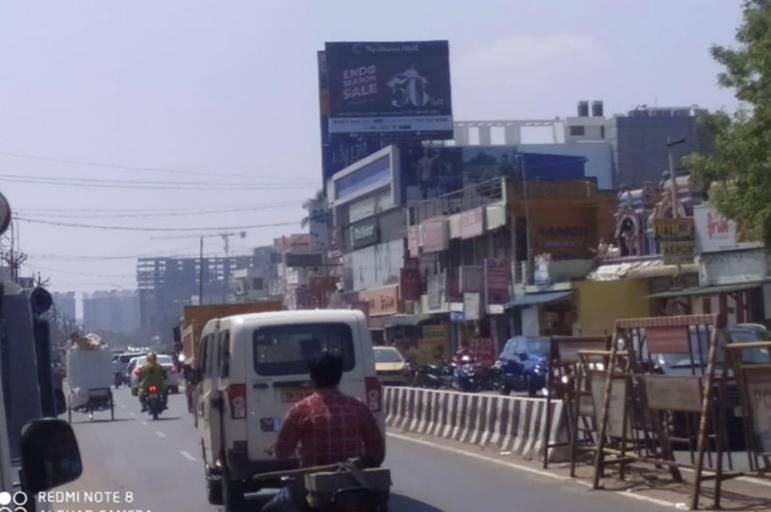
point(677, 252)
point(674, 229)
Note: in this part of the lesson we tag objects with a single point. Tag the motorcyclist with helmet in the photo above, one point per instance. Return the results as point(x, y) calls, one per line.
point(151, 374)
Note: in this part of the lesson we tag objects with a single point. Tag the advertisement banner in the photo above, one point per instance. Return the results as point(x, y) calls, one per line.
point(396, 89)
point(472, 223)
point(410, 283)
point(434, 235)
point(381, 301)
point(497, 281)
point(716, 233)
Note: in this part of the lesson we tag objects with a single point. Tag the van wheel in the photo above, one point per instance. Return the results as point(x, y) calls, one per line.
point(232, 492)
point(214, 491)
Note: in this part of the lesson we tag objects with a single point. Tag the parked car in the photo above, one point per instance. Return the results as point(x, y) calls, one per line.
point(251, 369)
point(391, 367)
point(523, 365)
point(166, 362)
point(120, 365)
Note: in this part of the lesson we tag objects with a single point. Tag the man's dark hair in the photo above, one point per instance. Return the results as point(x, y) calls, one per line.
point(326, 370)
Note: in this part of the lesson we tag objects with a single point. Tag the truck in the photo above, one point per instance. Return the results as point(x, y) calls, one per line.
point(194, 319)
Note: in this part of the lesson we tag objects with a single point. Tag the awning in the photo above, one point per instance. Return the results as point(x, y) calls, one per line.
point(408, 320)
point(538, 298)
point(642, 269)
point(707, 290)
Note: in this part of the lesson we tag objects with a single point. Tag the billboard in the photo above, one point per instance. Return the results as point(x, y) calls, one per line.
point(396, 90)
point(339, 150)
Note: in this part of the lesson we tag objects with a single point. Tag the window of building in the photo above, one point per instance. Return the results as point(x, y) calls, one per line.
point(577, 131)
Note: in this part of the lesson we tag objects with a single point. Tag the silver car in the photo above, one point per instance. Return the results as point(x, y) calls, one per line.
point(172, 376)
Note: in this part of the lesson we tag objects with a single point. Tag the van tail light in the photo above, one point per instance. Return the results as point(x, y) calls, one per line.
point(152, 388)
point(374, 394)
point(237, 399)
point(137, 371)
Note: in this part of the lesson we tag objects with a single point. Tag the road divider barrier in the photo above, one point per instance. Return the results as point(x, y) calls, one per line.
point(504, 423)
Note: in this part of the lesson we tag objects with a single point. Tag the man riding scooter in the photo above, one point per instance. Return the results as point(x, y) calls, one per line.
point(152, 374)
point(330, 427)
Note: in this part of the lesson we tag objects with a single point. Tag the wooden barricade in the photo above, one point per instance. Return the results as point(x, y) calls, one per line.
point(561, 384)
point(658, 369)
point(751, 363)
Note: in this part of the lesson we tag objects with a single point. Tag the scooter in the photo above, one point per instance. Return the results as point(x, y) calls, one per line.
point(155, 401)
point(343, 487)
point(466, 375)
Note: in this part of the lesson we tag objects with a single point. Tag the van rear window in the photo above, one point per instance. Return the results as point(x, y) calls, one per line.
point(286, 349)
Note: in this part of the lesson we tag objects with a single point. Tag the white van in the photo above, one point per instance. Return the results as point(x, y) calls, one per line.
point(252, 368)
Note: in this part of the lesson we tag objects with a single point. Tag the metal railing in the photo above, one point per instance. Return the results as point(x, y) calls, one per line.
point(474, 196)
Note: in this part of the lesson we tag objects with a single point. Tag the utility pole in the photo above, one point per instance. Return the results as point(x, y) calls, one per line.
point(672, 173)
point(528, 238)
point(200, 275)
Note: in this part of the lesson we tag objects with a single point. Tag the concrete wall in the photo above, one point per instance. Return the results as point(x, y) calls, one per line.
point(600, 303)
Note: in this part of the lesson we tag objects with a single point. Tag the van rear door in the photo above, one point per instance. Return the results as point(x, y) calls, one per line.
point(279, 375)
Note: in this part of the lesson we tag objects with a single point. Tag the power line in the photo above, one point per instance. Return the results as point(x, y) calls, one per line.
point(146, 228)
point(119, 166)
point(78, 257)
point(76, 273)
point(234, 207)
point(63, 214)
point(150, 185)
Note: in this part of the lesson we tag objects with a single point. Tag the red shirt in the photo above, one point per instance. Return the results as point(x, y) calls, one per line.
point(330, 427)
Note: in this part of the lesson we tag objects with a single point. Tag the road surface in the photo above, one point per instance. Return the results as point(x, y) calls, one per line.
point(159, 464)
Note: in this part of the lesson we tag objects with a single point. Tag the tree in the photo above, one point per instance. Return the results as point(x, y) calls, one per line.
point(738, 170)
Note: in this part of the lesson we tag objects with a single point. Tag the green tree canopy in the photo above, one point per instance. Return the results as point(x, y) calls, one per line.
point(739, 168)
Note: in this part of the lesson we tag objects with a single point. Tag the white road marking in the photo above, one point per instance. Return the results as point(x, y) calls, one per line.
point(187, 455)
point(528, 469)
point(144, 423)
point(159, 433)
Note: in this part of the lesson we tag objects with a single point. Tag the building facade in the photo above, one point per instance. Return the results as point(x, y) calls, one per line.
point(111, 311)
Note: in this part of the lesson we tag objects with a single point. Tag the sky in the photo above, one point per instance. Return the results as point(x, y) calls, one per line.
point(226, 92)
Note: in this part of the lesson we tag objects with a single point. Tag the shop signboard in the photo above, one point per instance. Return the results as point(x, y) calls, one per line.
point(565, 233)
point(471, 306)
point(497, 281)
point(759, 390)
point(382, 301)
point(717, 233)
point(676, 238)
point(472, 223)
point(434, 235)
point(434, 346)
point(364, 233)
point(413, 240)
point(436, 286)
point(410, 283)
point(303, 260)
point(389, 89)
point(472, 278)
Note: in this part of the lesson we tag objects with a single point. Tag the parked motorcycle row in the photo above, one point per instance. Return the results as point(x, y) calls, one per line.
point(522, 366)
